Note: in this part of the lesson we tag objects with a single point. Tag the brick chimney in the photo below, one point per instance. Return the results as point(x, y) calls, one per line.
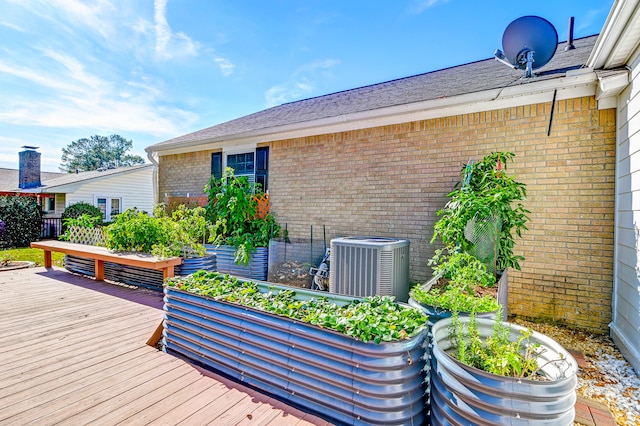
point(29, 169)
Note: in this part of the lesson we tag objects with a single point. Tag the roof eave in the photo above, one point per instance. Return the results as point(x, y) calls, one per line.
point(66, 186)
point(618, 39)
point(577, 83)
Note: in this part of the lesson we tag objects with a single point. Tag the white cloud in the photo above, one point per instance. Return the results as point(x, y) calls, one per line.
point(588, 17)
point(95, 15)
point(12, 26)
point(226, 67)
point(168, 44)
point(277, 95)
point(301, 84)
point(420, 6)
point(102, 115)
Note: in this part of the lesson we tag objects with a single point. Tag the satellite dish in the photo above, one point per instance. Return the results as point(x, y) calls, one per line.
point(529, 43)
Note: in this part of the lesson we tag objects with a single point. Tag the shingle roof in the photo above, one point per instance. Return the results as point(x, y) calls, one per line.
point(459, 80)
point(9, 178)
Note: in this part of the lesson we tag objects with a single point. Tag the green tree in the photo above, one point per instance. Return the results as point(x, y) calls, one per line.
point(97, 152)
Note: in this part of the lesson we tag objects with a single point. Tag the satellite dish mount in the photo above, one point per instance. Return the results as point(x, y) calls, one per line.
point(529, 43)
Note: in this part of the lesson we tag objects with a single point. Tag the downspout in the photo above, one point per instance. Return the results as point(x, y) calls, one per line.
point(154, 178)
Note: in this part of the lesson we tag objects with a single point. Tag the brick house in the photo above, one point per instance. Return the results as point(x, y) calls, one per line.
point(379, 160)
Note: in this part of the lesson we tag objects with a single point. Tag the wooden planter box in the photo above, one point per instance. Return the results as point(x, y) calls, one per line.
point(336, 376)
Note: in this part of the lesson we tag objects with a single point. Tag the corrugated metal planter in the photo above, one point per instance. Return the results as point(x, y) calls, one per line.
point(435, 313)
point(340, 378)
point(195, 264)
point(132, 275)
point(225, 263)
point(464, 395)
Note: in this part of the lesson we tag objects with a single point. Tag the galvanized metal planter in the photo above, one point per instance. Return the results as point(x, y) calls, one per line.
point(464, 395)
point(338, 377)
point(225, 262)
point(132, 275)
point(195, 264)
point(435, 313)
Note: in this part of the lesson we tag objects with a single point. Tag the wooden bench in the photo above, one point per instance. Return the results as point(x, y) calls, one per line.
point(102, 254)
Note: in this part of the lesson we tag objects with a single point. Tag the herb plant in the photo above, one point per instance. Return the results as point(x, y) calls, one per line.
point(495, 354)
point(232, 209)
point(374, 319)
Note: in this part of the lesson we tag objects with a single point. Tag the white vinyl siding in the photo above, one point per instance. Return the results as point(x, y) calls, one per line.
point(626, 297)
point(134, 189)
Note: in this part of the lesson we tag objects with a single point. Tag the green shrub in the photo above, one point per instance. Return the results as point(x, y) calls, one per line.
point(76, 210)
point(22, 220)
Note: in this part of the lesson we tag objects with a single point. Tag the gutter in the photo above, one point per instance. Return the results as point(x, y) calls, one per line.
point(617, 40)
point(154, 176)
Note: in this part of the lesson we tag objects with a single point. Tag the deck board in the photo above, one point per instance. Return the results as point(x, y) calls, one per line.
point(73, 351)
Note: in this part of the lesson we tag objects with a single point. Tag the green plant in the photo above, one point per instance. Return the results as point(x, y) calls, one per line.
point(232, 209)
point(375, 319)
point(455, 299)
point(462, 274)
point(76, 210)
point(22, 220)
point(160, 235)
point(491, 198)
point(498, 353)
point(188, 229)
point(462, 269)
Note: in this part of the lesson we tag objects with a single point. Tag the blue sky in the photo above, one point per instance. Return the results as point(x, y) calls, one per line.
point(153, 70)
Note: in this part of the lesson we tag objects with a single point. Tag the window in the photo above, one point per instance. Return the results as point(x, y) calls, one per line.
point(109, 206)
point(48, 204)
point(254, 165)
point(242, 164)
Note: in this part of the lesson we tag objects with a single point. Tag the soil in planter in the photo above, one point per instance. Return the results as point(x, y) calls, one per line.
point(294, 274)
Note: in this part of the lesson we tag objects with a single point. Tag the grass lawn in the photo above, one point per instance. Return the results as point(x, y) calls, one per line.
point(31, 254)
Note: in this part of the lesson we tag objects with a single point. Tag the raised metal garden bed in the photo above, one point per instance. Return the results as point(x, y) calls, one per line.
point(340, 378)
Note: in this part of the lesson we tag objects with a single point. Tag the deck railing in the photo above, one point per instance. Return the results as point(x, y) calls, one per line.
point(51, 228)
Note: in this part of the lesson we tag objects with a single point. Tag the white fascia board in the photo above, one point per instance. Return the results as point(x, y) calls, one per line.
point(575, 85)
point(611, 39)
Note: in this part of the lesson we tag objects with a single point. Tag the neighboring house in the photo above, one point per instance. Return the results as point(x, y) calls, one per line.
point(111, 190)
point(617, 48)
point(381, 159)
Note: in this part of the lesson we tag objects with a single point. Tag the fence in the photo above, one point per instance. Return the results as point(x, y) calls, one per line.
point(51, 227)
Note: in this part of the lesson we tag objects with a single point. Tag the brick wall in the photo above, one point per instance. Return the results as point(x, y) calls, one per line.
point(182, 174)
point(391, 180)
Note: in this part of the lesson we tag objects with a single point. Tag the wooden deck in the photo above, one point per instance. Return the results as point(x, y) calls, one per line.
point(73, 351)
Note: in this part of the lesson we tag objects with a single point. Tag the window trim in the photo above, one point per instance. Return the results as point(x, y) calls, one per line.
point(108, 197)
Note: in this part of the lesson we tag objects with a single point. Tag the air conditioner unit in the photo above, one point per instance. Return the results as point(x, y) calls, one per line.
point(366, 266)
